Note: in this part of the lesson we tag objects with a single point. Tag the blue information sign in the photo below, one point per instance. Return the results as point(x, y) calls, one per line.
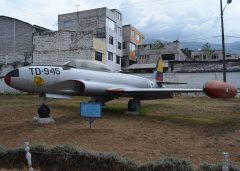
point(90, 110)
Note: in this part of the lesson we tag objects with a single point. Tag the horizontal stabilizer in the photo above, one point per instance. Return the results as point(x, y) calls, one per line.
point(168, 82)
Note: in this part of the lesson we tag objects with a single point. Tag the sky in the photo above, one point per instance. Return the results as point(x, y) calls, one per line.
point(169, 20)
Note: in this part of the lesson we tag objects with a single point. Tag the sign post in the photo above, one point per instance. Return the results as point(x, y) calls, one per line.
point(90, 111)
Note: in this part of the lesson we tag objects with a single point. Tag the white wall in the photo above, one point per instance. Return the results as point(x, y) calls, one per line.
point(196, 80)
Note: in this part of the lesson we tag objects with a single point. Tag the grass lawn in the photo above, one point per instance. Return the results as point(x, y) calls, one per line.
point(198, 129)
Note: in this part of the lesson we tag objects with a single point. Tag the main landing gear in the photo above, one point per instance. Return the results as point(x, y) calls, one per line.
point(133, 106)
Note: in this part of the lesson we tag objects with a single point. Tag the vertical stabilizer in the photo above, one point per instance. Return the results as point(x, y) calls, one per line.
point(159, 71)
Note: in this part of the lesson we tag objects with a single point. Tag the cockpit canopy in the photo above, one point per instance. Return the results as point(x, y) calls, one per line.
point(88, 64)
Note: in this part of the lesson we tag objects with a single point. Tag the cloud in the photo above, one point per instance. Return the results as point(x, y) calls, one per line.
point(157, 19)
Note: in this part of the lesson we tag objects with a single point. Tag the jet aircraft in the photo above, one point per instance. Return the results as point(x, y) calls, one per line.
point(94, 79)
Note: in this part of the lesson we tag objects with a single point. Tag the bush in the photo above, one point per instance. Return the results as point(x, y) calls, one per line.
point(215, 167)
point(167, 164)
point(70, 158)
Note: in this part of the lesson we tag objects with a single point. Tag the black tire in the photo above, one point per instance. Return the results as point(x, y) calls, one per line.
point(130, 108)
point(43, 111)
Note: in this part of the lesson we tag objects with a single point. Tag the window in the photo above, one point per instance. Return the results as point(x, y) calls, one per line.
point(110, 40)
point(132, 46)
point(123, 63)
point(67, 24)
point(119, 31)
point(133, 34)
point(110, 23)
point(98, 56)
point(166, 57)
point(138, 37)
point(110, 56)
point(118, 60)
point(124, 45)
point(119, 45)
point(119, 16)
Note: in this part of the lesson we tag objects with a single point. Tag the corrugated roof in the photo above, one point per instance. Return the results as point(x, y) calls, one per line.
point(2, 16)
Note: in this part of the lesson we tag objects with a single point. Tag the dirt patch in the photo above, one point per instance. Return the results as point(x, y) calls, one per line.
point(198, 129)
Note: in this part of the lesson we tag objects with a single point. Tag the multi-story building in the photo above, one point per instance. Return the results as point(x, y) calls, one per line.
point(131, 38)
point(213, 55)
point(105, 24)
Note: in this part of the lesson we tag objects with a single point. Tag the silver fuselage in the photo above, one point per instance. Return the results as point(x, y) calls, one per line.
point(55, 79)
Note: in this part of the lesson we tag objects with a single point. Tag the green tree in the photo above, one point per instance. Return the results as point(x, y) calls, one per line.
point(187, 52)
point(207, 51)
point(157, 45)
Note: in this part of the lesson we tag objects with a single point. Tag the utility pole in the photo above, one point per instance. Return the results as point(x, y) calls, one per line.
point(78, 15)
point(78, 7)
point(223, 39)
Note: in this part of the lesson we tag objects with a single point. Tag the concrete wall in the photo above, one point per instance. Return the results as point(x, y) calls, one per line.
point(196, 80)
point(55, 48)
point(89, 20)
point(199, 66)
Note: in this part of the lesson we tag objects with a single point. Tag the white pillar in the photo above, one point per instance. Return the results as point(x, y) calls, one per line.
point(28, 155)
point(225, 165)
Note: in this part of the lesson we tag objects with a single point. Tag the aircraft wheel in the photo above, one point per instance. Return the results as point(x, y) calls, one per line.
point(131, 106)
point(43, 111)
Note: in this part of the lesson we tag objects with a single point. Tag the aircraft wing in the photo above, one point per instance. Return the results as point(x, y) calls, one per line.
point(150, 93)
point(154, 90)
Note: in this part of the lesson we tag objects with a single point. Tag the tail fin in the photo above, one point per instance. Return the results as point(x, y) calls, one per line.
point(159, 71)
point(159, 74)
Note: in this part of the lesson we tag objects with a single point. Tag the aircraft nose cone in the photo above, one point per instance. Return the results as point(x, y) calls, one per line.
point(8, 77)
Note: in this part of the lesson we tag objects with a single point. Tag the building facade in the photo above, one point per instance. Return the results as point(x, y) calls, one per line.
point(131, 38)
point(149, 53)
point(105, 24)
point(213, 55)
point(59, 47)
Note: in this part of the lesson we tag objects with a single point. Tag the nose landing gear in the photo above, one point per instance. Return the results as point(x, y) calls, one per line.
point(43, 112)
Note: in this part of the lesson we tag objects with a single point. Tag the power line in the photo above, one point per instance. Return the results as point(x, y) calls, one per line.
point(210, 37)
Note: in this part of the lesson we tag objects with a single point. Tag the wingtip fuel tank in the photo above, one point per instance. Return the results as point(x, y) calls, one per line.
point(219, 89)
